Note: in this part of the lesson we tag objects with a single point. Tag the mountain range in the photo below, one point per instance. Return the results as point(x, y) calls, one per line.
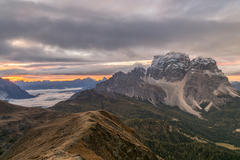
point(168, 131)
point(236, 85)
point(177, 109)
point(86, 83)
point(175, 80)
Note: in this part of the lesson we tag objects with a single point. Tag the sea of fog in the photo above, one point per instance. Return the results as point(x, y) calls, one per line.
point(45, 97)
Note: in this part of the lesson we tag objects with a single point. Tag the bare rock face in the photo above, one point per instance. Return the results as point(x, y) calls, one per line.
point(88, 135)
point(171, 67)
point(206, 83)
point(133, 85)
point(174, 80)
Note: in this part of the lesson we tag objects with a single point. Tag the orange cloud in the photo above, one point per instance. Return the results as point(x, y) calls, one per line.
point(31, 78)
point(234, 78)
point(228, 63)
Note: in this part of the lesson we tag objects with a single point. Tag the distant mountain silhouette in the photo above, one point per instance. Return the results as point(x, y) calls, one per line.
point(9, 90)
point(84, 83)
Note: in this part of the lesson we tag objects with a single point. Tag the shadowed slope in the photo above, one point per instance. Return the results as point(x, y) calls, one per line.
point(16, 120)
point(9, 90)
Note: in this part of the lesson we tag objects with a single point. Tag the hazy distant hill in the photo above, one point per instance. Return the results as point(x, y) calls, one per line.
point(84, 83)
point(9, 90)
point(236, 85)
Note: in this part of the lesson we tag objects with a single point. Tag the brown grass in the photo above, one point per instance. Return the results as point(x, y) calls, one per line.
point(93, 135)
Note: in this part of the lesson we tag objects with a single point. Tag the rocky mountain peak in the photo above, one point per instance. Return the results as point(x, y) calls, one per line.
point(181, 59)
point(204, 64)
point(119, 73)
point(174, 80)
point(104, 79)
point(171, 67)
point(138, 72)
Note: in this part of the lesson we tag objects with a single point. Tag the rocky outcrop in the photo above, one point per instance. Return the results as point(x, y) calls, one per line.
point(172, 67)
point(89, 135)
point(206, 83)
point(133, 85)
point(174, 80)
point(9, 90)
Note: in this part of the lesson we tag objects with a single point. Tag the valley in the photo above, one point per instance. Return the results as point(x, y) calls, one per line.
point(135, 112)
point(119, 80)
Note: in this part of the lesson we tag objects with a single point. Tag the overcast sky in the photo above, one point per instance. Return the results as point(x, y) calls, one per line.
point(92, 37)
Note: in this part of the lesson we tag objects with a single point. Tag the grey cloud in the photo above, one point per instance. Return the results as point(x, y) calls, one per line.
point(34, 54)
point(117, 30)
point(117, 37)
point(83, 70)
point(55, 64)
point(202, 9)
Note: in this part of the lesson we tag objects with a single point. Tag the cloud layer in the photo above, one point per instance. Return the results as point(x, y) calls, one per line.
point(90, 32)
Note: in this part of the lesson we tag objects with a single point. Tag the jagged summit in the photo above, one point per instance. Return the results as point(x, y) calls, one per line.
point(138, 72)
point(104, 79)
point(175, 80)
point(171, 67)
point(204, 64)
point(170, 58)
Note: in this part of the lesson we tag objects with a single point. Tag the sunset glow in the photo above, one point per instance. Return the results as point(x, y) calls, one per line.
point(234, 78)
point(229, 63)
point(37, 67)
point(31, 78)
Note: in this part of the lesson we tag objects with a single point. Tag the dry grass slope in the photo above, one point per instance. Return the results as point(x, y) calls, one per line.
point(93, 135)
point(16, 120)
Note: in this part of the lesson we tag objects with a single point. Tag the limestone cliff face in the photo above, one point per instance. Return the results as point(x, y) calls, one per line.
point(86, 136)
point(172, 67)
point(206, 83)
point(176, 81)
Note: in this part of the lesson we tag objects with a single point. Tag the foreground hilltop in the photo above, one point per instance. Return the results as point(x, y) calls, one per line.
point(175, 80)
point(89, 135)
